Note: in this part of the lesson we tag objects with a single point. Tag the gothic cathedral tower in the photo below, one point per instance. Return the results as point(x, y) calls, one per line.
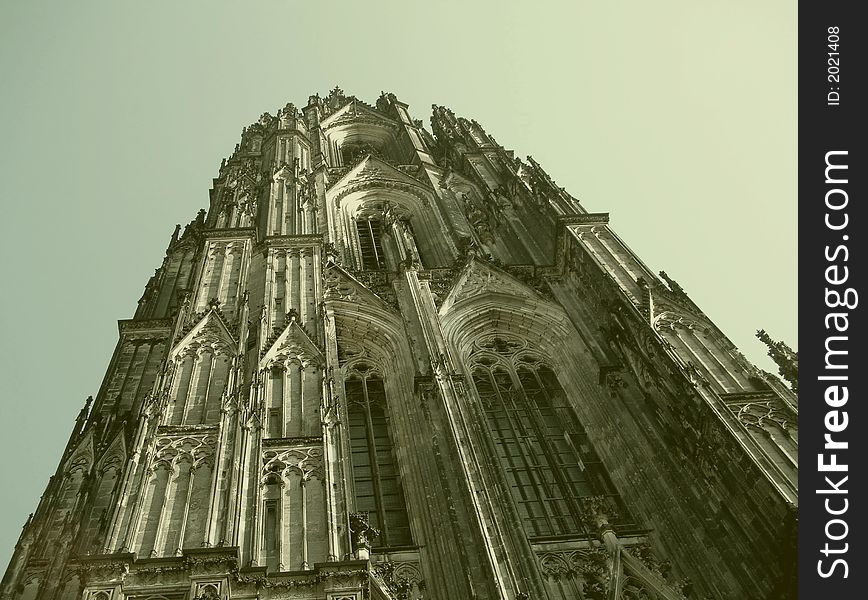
point(394, 363)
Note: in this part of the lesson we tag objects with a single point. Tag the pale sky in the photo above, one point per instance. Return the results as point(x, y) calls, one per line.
point(678, 117)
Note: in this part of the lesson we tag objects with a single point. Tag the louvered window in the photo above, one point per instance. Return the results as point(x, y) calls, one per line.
point(370, 243)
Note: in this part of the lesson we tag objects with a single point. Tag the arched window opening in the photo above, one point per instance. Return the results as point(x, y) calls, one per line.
point(375, 471)
point(545, 456)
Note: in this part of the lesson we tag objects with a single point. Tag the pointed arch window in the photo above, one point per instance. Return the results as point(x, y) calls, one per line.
point(545, 456)
point(376, 481)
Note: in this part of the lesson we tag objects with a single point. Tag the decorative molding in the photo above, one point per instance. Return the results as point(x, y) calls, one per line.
point(355, 112)
point(292, 346)
point(758, 410)
point(160, 328)
point(373, 172)
point(312, 240)
point(210, 333)
point(196, 447)
point(340, 285)
point(278, 464)
point(241, 234)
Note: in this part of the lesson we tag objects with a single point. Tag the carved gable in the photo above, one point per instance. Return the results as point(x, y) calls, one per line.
point(115, 455)
point(479, 277)
point(355, 112)
point(662, 301)
point(82, 456)
point(373, 170)
point(209, 333)
point(340, 285)
point(293, 345)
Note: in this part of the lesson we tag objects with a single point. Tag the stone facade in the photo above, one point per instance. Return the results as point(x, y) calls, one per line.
point(399, 363)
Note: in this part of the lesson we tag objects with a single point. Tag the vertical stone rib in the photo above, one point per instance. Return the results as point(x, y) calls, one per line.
point(304, 562)
point(215, 505)
point(470, 464)
point(335, 448)
point(169, 492)
point(616, 255)
point(304, 254)
point(302, 430)
point(187, 497)
point(129, 475)
point(699, 360)
point(734, 383)
point(206, 397)
point(184, 398)
point(618, 270)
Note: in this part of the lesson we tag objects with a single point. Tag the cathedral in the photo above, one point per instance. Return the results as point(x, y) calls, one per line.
point(396, 362)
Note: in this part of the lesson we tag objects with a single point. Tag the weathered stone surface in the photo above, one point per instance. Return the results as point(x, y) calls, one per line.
point(396, 363)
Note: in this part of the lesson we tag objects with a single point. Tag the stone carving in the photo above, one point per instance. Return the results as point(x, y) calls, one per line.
point(761, 410)
point(532, 278)
point(292, 346)
point(339, 285)
point(197, 448)
point(590, 566)
point(440, 281)
point(362, 532)
point(102, 570)
point(613, 378)
point(645, 554)
point(279, 464)
point(633, 589)
point(785, 357)
point(287, 113)
point(673, 286)
point(207, 591)
point(375, 173)
point(380, 283)
point(385, 101)
point(402, 578)
point(598, 511)
point(480, 215)
point(209, 336)
point(354, 113)
point(480, 279)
